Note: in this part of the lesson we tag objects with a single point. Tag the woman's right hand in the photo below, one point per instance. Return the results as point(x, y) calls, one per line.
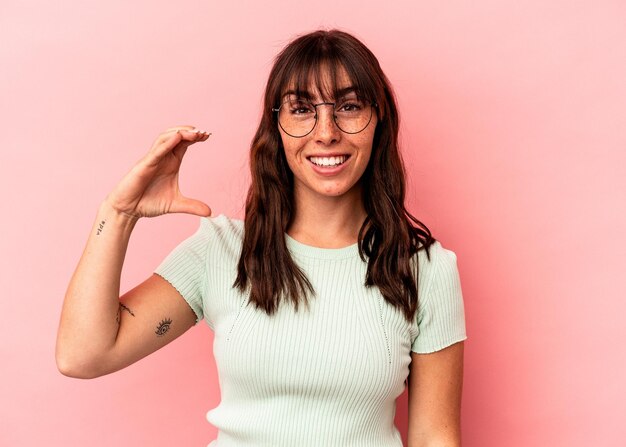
point(151, 187)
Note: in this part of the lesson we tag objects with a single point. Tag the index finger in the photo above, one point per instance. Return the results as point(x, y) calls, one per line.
point(175, 140)
point(183, 127)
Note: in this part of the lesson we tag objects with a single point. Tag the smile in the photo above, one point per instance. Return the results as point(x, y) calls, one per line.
point(329, 161)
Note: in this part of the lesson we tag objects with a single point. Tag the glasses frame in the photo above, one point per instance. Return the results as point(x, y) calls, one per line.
point(277, 110)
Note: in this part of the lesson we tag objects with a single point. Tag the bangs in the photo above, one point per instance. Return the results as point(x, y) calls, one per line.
point(319, 66)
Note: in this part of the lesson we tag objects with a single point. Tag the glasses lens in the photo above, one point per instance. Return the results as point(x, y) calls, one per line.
point(297, 116)
point(352, 115)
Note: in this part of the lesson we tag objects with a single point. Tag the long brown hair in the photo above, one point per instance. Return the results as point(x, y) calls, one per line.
point(389, 236)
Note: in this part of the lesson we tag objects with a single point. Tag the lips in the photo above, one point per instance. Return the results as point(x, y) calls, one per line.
point(329, 161)
point(329, 155)
point(330, 170)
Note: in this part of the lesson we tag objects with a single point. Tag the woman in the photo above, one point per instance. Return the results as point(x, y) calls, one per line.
point(325, 226)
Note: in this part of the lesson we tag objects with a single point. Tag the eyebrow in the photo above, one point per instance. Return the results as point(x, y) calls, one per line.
point(307, 95)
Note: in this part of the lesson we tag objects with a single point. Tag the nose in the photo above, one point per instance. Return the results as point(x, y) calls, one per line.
point(326, 130)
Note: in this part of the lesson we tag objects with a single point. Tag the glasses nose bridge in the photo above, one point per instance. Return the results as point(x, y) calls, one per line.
point(333, 117)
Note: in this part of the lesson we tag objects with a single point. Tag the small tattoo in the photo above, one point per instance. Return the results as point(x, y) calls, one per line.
point(100, 227)
point(127, 309)
point(118, 317)
point(163, 327)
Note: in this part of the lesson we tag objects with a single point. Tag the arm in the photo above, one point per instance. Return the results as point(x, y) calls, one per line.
point(435, 388)
point(98, 332)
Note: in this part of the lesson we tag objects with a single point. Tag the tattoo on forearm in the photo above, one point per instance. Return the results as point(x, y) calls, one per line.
point(119, 311)
point(100, 227)
point(163, 327)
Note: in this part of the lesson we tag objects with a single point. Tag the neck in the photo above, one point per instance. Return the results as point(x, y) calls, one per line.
point(327, 222)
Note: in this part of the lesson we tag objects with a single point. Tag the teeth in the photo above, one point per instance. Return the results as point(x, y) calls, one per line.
point(328, 161)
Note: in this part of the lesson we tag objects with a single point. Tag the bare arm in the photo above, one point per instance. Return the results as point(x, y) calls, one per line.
point(435, 388)
point(99, 332)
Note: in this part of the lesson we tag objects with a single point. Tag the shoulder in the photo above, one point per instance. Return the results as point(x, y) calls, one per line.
point(222, 226)
point(436, 265)
point(441, 311)
point(223, 236)
point(434, 254)
point(212, 230)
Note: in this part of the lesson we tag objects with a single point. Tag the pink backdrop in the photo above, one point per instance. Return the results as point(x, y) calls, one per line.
point(513, 128)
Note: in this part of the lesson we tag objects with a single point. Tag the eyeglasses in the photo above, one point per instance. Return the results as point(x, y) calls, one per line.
point(298, 116)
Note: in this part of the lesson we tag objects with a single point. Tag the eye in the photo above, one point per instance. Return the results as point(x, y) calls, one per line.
point(300, 108)
point(163, 327)
point(350, 105)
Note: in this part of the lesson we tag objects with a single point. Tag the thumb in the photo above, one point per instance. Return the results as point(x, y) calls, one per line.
point(190, 206)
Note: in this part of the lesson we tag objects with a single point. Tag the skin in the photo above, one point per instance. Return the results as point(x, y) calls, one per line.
point(97, 336)
point(435, 389)
point(334, 200)
point(435, 379)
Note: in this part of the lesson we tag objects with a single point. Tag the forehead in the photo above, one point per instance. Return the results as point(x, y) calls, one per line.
point(320, 84)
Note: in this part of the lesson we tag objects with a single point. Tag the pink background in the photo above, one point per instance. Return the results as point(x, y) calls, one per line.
point(513, 129)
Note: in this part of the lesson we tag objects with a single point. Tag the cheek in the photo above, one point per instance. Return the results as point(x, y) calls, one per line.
point(292, 148)
point(291, 155)
point(367, 145)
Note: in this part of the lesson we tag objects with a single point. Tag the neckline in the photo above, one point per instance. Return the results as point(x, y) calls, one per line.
point(321, 253)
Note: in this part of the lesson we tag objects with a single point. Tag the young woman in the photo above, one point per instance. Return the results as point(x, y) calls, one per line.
point(313, 298)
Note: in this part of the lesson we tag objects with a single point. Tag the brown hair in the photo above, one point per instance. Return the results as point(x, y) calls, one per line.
point(388, 236)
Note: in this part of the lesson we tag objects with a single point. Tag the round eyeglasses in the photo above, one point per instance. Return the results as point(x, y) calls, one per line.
point(298, 116)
